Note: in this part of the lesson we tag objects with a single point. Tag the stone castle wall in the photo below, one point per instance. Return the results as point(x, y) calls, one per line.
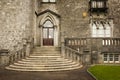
point(114, 13)
point(73, 24)
point(72, 21)
point(17, 19)
point(16, 22)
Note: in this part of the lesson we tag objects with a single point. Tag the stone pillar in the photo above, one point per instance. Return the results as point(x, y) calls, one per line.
point(28, 49)
point(4, 57)
point(62, 45)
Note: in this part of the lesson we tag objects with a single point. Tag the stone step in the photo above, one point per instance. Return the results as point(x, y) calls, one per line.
point(44, 59)
point(38, 59)
point(45, 65)
point(46, 54)
point(23, 69)
point(47, 48)
point(45, 62)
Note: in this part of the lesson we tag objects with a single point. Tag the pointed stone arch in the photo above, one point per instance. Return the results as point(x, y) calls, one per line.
point(50, 17)
point(42, 17)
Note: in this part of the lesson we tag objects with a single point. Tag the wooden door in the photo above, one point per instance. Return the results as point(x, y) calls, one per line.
point(48, 36)
point(48, 33)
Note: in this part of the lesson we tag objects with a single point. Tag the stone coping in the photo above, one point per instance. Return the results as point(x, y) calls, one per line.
point(4, 52)
point(91, 74)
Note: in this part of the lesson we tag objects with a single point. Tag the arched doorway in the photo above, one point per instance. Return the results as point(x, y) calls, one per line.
point(48, 33)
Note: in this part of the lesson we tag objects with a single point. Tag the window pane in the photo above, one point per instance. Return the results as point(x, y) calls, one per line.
point(105, 57)
point(101, 32)
point(93, 4)
point(94, 31)
point(45, 0)
point(48, 24)
point(111, 57)
point(116, 57)
point(107, 31)
point(100, 4)
point(44, 33)
point(52, 0)
point(51, 32)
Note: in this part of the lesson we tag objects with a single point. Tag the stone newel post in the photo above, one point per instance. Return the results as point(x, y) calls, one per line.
point(4, 57)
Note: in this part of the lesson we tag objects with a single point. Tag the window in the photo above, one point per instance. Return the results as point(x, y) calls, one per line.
point(98, 6)
point(52, 1)
point(116, 57)
point(111, 58)
point(105, 57)
point(48, 31)
point(100, 29)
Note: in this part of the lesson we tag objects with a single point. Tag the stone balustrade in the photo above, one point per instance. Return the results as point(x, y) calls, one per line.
point(72, 54)
point(19, 52)
point(94, 44)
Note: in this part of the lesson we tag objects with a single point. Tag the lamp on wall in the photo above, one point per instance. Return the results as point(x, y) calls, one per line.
point(84, 14)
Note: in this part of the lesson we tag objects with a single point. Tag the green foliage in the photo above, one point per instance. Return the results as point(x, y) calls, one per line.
point(106, 72)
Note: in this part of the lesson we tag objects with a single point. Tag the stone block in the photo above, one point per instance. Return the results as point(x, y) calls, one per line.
point(4, 57)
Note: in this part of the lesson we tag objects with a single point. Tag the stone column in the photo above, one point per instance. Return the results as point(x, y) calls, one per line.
point(62, 45)
point(28, 48)
point(4, 57)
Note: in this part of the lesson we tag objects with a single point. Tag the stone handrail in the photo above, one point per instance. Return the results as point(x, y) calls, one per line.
point(94, 44)
point(21, 53)
point(72, 54)
point(16, 55)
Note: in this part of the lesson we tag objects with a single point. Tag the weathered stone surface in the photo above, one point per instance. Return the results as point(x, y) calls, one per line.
point(16, 17)
point(114, 12)
point(18, 20)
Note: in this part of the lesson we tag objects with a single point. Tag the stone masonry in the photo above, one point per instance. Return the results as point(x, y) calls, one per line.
point(19, 20)
point(16, 22)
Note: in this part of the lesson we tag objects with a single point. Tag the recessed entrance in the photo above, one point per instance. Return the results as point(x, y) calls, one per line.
point(48, 33)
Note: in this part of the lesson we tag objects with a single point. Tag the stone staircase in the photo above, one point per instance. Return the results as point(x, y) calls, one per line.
point(44, 59)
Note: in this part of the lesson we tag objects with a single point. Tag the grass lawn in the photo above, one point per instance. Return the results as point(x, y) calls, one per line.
point(105, 72)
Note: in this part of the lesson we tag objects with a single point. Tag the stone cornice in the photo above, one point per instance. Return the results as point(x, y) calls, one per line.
point(43, 12)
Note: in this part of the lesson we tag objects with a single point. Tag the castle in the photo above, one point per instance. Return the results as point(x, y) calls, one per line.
point(84, 30)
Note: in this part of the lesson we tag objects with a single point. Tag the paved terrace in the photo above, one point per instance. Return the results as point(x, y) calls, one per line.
point(79, 74)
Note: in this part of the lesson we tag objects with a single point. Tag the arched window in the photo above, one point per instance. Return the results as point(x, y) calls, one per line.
point(101, 30)
point(48, 0)
point(48, 24)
